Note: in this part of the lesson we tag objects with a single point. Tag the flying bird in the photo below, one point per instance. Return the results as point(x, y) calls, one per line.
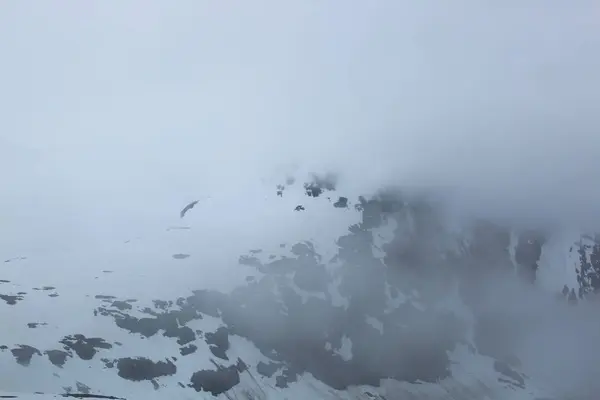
point(188, 208)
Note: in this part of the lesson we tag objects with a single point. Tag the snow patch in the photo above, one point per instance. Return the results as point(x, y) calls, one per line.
point(345, 350)
point(559, 262)
point(375, 323)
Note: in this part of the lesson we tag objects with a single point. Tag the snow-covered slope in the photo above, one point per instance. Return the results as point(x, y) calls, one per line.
point(342, 298)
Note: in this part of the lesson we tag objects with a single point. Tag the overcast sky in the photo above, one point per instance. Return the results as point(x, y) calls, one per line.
point(117, 112)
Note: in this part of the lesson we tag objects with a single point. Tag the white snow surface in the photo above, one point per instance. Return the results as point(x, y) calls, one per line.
point(143, 268)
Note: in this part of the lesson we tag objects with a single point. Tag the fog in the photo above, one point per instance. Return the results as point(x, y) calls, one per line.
point(131, 108)
point(114, 115)
point(556, 343)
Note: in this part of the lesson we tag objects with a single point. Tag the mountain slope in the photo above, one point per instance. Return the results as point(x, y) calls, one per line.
point(399, 305)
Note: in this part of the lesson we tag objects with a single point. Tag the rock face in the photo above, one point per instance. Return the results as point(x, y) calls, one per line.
point(374, 312)
point(588, 271)
point(527, 254)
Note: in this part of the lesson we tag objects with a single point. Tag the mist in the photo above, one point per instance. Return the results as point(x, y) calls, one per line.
point(555, 342)
point(128, 109)
point(115, 115)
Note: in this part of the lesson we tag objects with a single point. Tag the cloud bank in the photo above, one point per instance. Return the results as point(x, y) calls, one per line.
point(116, 112)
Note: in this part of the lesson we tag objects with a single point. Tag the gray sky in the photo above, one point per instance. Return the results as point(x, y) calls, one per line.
point(115, 113)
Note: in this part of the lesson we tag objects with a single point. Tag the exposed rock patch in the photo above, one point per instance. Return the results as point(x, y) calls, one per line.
point(267, 369)
point(85, 348)
point(121, 305)
point(217, 381)
point(320, 183)
point(33, 325)
point(187, 350)
point(105, 297)
point(527, 255)
point(180, 256)
point(57, 357)
point(24, 353)
point(588, 272)
point(342, 202)
point(11, 300)
point(144, 369)
point(218, 342)
point(45, 288)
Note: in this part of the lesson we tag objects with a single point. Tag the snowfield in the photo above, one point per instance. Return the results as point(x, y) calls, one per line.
point(369, 299)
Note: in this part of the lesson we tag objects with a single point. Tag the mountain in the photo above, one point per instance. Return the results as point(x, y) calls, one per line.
point(384, 299)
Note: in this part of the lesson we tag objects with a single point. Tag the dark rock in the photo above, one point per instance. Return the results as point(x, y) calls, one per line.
point(121, 305)
point(189, 349)
point(218, 342)
point(34, 325)
point(342, 202)
point(161, 304)
point(88, 395)
point(24, 353)
point(280, 189)
point(287, 376)
point(11, 299)
point(319, 184)
point(168, 321)
point(57, 357)
point(180, 256)
point(215, 382)
point(267, 370)
point(108, 363)
point(104, 297)
point(140, 369)
point(528, 253)
point(183, 334)
point(588, 273)
point(85, 348)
